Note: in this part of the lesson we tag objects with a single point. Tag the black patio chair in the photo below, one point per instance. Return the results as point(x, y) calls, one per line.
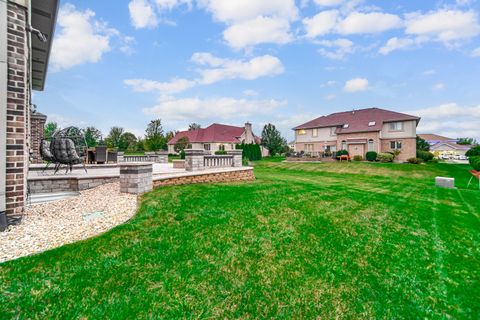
point(100, 154)
point(64, 151)
point(45, 153)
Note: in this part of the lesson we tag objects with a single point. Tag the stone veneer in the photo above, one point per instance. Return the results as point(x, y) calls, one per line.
point(65, 184)
point(18, 105)
point(245, 174)
point(135, 177)
point(37, 134)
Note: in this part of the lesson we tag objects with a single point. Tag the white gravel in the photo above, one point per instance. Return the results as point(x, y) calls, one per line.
point(52, 224)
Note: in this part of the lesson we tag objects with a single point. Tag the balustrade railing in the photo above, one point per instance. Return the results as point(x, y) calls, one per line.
point(218, 161)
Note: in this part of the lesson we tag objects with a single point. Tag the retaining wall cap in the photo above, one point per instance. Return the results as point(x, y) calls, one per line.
point(136, 164)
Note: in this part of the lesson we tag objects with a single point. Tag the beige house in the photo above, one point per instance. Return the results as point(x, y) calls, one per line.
point(359, 131)
point(217, 137)
point(444, 146)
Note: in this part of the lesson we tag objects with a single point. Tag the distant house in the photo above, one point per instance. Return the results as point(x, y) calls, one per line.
point(440, 145)
point(359, 131)
point(217, 137)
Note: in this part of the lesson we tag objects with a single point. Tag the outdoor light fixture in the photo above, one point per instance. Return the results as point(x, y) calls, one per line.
point(33, 107)
point(42, 37)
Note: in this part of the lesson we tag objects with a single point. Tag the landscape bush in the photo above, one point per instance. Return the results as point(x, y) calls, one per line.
point(220, 152)
point(414, 160)
point(425, 155)
point(341, 153)
point(385, 157)
point(371, 156)
point(475, 151)
point(251, 151)
point(475, 162)
point(182, 154)
point(357, 158)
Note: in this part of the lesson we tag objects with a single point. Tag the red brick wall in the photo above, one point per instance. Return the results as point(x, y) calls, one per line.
point(361, 135)
point(409, 148)
point(18, 102)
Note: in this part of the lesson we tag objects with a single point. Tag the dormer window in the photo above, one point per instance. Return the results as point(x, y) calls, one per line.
point(371, 123)
point(345, 126)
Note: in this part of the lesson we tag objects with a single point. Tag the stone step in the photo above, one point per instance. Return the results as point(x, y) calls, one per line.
point(47, 197)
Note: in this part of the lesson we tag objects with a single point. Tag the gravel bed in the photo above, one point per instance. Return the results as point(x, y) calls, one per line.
point(52, 224)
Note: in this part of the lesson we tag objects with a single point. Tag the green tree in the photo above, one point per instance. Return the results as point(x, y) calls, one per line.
point(49, 130)
point(422, 145)
point(169, 136)
point(92, 136)
point(128, 141)
point(194, 126)
point(272, 139)
point(113, 138)
point(181, 144)
point(467, 141)
point(154, 138)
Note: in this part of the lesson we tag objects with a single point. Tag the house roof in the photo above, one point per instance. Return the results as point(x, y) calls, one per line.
point(363, 120)
point(213, 133)
point(434, 137)
point(463, 147)
point(44, 16)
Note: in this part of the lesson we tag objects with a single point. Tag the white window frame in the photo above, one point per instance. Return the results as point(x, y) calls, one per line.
point(371, 145)
point(344, 145)
point(315, 132)
point(332, 131)
point(207, 147)
point(396, 126)
point(397, 145)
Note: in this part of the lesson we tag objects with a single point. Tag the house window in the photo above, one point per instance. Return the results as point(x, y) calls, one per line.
point(308, 147)
point(314, 132)
point(332, 131)
point(221, 147)
point(301, 132)
point(395, 145)
point(207, 146)
point(371, 123)
point(396, 126)
point(344, 145)
point(371, 146)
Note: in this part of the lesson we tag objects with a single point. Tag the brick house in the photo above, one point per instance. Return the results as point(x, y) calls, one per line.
point(359, 131)
point(216, 137)
point(26, 33)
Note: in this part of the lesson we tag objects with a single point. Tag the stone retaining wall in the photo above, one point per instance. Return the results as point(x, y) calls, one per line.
point(67, 184)
point(213, 177)
point(135, 178)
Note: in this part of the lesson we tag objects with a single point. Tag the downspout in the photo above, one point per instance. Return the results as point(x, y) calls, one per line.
point(3, 111)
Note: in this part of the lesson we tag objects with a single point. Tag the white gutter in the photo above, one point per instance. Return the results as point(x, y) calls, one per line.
point(3, 109)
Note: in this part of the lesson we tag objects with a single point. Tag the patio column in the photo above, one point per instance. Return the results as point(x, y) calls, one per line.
point(194, 159)
point(136, 177)
point(237, 157)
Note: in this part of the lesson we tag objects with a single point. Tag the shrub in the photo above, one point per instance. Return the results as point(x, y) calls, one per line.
point(251, 151)
point(475, 162)
point(357, 158)
point(414, 160)
point(220, 152)
point(371, 156)
point(473, 152)
point(385, 157)
point(341, 153)
point(425, 155)
point(182, 154)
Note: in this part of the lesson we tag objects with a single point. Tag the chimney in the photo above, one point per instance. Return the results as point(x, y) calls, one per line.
point(249, 138)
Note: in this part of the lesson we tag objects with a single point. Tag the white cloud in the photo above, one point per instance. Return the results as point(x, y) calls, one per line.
point(142, 14)
point(446, 26)
point(397, 44)
point(321, 24)
point(438, 86)
point(171, 4)
point(450, 119)
point(176, 85)
point(219, 69)
point(356, 85)
point(329, 3)
point(224, 108)
point(476, 52)
point(257, 31)
point(337, 49)
point(80, 38)
point(373, 22)
point(250, 93)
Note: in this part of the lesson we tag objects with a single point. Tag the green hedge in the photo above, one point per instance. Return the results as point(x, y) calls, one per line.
point(371, 156)
point(385, 157)
point(475, 162)
point(425, 155)
point(220, 152)
point(250, 151)
point(341, 153)
point(475, 151)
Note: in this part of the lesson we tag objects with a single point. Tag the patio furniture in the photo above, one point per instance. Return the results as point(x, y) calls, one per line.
point(344, 157)
point(45, 153)
point(475, 174)
point(112, 156)
point(100, 154)
point(64, 151)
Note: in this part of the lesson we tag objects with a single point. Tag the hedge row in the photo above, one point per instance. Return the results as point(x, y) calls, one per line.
point(250, 151)
point(475, 162)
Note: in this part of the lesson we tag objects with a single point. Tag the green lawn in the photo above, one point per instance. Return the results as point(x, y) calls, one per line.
point(354, 240)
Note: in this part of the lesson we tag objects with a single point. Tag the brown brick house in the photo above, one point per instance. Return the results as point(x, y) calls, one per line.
point(26, 33)
point(359, 131)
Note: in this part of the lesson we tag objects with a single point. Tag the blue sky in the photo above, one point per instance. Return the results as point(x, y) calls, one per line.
point(282, 61)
